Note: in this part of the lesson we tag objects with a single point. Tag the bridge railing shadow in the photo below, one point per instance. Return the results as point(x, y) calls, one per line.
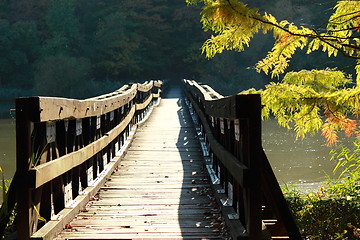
point(244, 183)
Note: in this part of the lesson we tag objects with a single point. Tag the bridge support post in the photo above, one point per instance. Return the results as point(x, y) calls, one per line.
point(23, 161)
point(252, 159)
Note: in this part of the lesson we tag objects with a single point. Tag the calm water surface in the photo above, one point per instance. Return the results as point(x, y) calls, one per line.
point(7, 147)
point(300, 162)
point(303, 163)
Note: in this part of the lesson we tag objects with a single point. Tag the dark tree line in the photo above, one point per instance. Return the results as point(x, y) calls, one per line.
point(81, 48)
point(75, 47)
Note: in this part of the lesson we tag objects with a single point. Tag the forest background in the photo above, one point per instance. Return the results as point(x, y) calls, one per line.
point(83, 48)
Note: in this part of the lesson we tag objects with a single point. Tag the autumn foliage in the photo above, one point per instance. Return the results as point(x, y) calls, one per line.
point(325, 100)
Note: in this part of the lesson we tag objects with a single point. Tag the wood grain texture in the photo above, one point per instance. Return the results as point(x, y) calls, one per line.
point(48, 171)
point(53, 108)
point(145, 87)
point(158, 190)
point(141, 106)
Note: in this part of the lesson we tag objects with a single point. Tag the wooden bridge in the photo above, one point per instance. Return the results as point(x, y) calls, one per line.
point(142, 163)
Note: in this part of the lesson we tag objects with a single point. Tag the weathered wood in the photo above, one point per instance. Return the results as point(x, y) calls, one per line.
point(156, 95)
point(59, 221)
point(162, 172)
point(235, 124)
point(72, 143)
point(153, 236)
point(51, 109)
point(253, 154)
point(145, 87)
point(141, 106)
point(23, 143)
point(50, 170)
point(231, 107)
point(238, 170)
point(205, 92)
point(158, 83)
point(157, 191)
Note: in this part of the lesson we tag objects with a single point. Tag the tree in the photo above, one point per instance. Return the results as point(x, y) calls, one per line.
point(129, 39)
point(62, 26)
point(302, 97)
point(19, 46)
point(62, 75)
point(117, 45)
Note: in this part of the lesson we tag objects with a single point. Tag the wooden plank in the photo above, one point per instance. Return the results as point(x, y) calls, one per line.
point(172, 221)
point(187, 158)
point(233, 107)
point(223, 107)
point(158, 83)
point(139, 232)
point(159, 190)
point(156, 236)
point(51, 109)
point(237, 169)
point(141, 106)
point(55, 226)
point(168, 139)
point(123, 213)
point(158, 186)
point(145, 87)
point(136, 208)
point(42, 109)
point(205, 91)
point(158, 171)
point(167, 179)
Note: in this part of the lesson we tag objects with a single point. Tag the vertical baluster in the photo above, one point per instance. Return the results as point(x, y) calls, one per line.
point(23, 152)
point(251, 148)
point(87, 138)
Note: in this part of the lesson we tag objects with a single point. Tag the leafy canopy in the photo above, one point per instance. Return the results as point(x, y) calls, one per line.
point(301, 98)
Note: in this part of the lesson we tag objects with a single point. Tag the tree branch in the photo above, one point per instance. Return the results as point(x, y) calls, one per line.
point(324, 38)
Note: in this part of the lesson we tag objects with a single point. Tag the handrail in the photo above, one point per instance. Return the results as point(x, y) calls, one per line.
point(230, 130)
point(67, 148)
point(51, 109)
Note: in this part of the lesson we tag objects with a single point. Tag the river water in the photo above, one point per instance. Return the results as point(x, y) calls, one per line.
point(303, 163)
point(7, 147)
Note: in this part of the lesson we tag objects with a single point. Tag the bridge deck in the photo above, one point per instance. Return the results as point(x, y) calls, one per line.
point(160, 190)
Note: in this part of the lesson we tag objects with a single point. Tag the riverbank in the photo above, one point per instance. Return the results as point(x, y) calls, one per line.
point(7, 149)
point(331, 212)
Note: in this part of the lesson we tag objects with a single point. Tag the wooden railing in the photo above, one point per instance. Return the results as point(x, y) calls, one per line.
point(230, 132)
point(67, 148)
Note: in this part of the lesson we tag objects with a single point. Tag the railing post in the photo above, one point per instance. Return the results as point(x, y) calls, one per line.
point(253, 162)
point(23, 152)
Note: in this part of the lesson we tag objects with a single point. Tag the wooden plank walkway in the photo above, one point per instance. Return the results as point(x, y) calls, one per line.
point(160, 190)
